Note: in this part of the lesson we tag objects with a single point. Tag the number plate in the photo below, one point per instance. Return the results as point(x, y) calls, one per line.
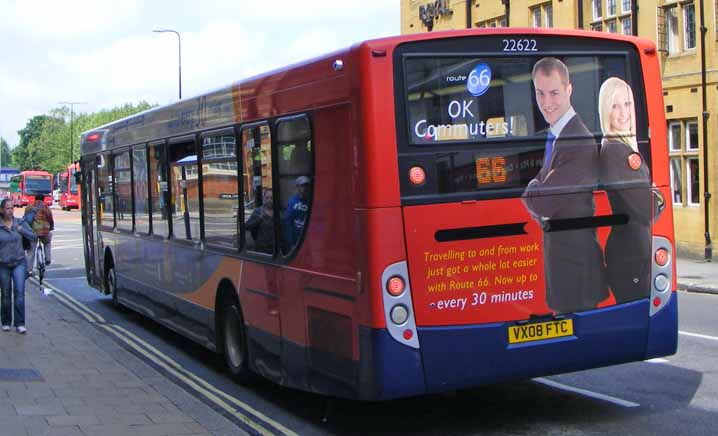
point(540, 331)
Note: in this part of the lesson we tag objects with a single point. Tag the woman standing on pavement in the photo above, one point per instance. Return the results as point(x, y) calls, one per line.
point(13, 267)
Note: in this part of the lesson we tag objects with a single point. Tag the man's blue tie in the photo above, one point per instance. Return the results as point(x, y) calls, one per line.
point(549, 149)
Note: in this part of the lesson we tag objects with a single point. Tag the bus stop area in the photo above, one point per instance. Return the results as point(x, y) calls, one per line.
point(67, 377)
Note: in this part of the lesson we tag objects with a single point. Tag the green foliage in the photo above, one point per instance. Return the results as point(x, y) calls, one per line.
point(4, 154)
point(46, 140)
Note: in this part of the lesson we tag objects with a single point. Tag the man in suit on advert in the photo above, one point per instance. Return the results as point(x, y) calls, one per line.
point(563, 189)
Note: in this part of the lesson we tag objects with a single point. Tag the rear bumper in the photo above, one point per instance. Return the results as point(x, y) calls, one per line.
point(464, 356)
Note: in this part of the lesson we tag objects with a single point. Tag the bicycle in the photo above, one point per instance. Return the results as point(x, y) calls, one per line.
point(40, 264)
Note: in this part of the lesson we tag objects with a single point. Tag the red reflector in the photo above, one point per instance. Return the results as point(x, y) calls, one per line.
point(634, 161)
point(408, 334)
point(417, 175)
point(395, 286)
point(93, 137)
point(656, 301)
point(661, 256)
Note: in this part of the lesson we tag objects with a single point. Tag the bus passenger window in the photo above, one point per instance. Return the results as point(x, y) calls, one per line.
point(220, 187)
point(123, 191)
point(295, 178)
point(105, 192)
point(258, 195)
point(184, 205)
point(139, 192)
point(159, 192)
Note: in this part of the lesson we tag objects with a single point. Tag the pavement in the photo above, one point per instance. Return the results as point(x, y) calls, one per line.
point(697, 275)
point(68, 377)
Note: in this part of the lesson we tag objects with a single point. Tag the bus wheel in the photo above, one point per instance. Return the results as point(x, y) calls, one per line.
point(235, 343)
point(111, 284)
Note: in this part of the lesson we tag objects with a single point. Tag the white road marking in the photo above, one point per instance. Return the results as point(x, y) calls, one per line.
point(585, 392)
point(657, 360)
point(232, 405)
point(698, 335)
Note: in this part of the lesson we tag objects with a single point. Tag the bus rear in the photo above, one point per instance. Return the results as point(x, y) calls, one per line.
point(534, 201)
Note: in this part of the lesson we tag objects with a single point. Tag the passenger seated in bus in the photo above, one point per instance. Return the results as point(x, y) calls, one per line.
point(260, 225)
point(627, 181)
point(297, 209)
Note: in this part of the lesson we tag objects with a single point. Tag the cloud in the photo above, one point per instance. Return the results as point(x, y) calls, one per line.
point(104, 52)
point(68, 18)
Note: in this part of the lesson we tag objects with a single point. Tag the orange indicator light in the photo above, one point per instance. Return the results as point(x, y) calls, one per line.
point(661, 256)
point(417, 176)
point(395, 286)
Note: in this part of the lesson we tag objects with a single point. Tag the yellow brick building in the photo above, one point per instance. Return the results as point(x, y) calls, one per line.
point(676, 27)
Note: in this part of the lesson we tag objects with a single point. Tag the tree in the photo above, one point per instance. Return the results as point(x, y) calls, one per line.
point(5, 159)
point(45, 140)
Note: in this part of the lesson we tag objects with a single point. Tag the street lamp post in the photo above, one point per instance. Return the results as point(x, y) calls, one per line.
point(179, 52)
point(72, 114)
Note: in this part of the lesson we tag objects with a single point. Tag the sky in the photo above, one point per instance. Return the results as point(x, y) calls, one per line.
point(103, 53)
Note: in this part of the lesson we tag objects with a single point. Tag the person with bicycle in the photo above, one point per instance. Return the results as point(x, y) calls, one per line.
point(13, 268)
point(39, 216)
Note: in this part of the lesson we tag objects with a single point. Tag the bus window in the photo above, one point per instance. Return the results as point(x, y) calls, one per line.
point(185, 198)
point(295, 178)
point(139, 191)
point(258, 195)
point(220, 187)
point(104, 192)
point(123, 191)
point(159, 193)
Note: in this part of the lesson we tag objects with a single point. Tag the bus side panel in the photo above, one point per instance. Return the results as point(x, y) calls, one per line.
point(461, 356)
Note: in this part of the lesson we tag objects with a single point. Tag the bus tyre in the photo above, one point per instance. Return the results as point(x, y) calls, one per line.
point(111, 285)
point(235, 343)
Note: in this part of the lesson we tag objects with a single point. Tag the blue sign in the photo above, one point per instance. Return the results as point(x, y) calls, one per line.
point(479, 80)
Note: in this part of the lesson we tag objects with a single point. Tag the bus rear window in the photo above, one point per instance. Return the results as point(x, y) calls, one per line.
point(476, 119)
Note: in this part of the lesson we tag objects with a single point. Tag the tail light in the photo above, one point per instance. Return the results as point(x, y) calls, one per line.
point(398, 307)
point(661, 274)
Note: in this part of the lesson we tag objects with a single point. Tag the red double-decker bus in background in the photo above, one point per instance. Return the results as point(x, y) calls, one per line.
point(27, 184)
point(69, 189)
point(397, 218)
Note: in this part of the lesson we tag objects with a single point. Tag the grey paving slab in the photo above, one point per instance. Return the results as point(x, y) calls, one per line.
point(90, 385)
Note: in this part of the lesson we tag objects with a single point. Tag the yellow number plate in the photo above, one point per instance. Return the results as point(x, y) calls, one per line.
point(540, 331)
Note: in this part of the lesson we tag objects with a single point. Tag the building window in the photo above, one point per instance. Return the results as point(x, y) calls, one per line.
point(691, 135)
point(610, 8)
point(693, 182)
point(674, 136)
point(611, 26)
point(671, 29)
point(683, 146)
point(626, 5)
point(676, 181)
point(536, 17)
point(548, 15)
point(596, 6)
point(626, 26)
point(596, 27)
point(689, 22)
point(492, 22)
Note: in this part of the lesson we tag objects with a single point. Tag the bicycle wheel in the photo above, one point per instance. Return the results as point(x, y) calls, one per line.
point(40, 260)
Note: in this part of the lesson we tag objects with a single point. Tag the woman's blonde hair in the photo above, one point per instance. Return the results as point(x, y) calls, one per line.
point(605, 103)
